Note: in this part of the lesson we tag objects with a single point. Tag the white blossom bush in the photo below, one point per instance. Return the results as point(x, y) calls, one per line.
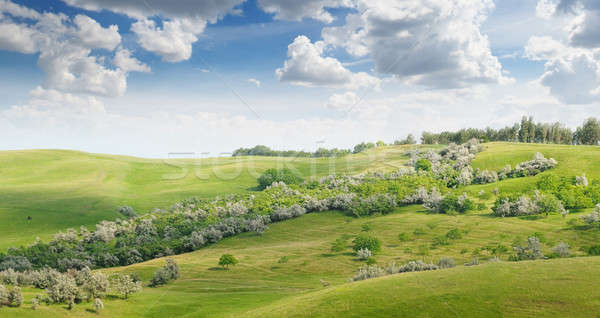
point(562, 250)
point(485, 176)
point(531, 250)
point(364, 253)
point(446, 262)
point(367, 272)
point(581, 180)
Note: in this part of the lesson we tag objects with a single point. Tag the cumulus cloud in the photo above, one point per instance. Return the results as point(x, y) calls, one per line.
point(436, 43)
point(297, 10)
point(572, 68)
point(182, 21)
point(307, 66)
point(94, 36)
point(127, 63)
point(173, 42)
point(66, 49)
point(17, 37)
point(584, 27)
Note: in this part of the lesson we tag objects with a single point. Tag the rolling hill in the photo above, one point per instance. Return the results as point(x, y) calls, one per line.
point(279, 272)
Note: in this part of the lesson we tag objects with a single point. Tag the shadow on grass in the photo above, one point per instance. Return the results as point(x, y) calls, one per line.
point(218, 268)
point(328, 255)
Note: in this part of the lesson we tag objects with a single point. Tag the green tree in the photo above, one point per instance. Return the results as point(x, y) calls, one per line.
point(274, 175)
point(226, 260)
point(589, 132)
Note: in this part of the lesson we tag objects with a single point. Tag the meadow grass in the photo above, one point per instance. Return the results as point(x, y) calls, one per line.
point(78, 189)
point(61, 189)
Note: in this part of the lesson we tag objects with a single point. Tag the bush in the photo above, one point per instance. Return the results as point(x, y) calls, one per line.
point(226, 260)
point(533, 250)
point(125, 285)
point(562, 250)
point(524, 205)
point(375, 204)
point(272, 175)
point(339, 245)
point(364, 253)
point(423, 165)
point(165, 274)
point(17, 263)
point(127, 211)
point(593, 250)
point(364, 241)
point(446, 262)
point(402, 237)
point(367, 272)
point(412, 266)
point(98, 305)
point(452, 204)
point(15, 298)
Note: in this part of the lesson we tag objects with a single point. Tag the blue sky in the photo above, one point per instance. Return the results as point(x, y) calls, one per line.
point(150, 77)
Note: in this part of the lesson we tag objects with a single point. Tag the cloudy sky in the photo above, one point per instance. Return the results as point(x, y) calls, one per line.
point(149, 77)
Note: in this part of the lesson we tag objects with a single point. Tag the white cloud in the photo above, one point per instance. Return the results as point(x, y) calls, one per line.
point(435, 43)
point(343, 101)
point(254, 81)
point(17, 10)
point(94, 36)
point(66, 50)
point(543, 48)
point(572, 68)
point(124, 61)
point(17, 37)
point(307, 66)
point(173, 41)
point(584, 26)
point(182, 21)
point(297, 10)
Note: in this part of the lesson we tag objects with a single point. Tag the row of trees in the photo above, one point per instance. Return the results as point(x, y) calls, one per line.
point(526, 131)
point(261, 150)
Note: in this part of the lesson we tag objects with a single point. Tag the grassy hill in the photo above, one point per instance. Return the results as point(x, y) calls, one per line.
point(263, 285)
point(61, 189)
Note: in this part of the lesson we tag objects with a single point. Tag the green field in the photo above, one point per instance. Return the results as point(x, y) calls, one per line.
point(64, 189)
point(76, 192)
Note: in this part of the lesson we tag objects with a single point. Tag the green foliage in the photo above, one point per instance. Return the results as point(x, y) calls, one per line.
point(454, 234)
point(164, 275)
point(226, 260)
point(423, 165)
point(364, 241)
point(403, 237)
point(375, 204)
point(284, 175)
point(339, 245)
point(283, 260)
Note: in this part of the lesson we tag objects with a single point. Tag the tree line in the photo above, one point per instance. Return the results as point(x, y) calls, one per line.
point(526, 131)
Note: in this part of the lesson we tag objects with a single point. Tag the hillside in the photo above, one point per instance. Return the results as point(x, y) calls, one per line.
point(63, 189)
point(264, 285)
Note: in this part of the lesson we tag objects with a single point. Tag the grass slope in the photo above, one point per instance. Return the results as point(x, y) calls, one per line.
point(63, 189)
point(558, 288)
point(262, 286)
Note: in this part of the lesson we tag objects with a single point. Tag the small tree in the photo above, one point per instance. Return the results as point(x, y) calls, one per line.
point(36, 301)
point(365, 241)
point(127, 211)
point(284, 175)
point(3, 296)
point(96, 285)
point(226, 260)
point(98, 305)
point(125, 285)
point(15, 297)
point(165, 274)
point(364, 253)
